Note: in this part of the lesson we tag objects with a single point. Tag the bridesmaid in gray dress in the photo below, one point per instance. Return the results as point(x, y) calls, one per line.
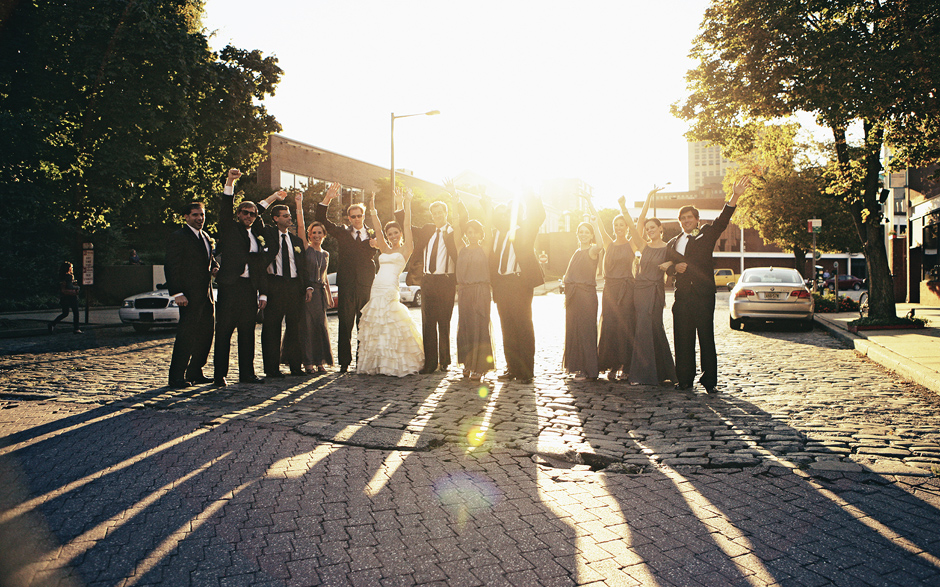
point(474, 299)
point(314, 336)
point(581, 307)
point(616, 326)
point(652, 362)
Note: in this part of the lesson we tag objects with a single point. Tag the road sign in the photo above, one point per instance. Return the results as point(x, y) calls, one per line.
point(814, 225)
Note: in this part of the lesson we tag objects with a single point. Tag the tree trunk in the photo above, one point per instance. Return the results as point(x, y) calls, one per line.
point(799, 262)
point(867, 214)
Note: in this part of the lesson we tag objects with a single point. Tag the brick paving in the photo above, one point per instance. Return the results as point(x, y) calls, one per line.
point(814, 467)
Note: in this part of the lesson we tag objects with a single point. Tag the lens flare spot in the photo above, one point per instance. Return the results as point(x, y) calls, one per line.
point(483, 391)
point(476, 436)
point(489, 359)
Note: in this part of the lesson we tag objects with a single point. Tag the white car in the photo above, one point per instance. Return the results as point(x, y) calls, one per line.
point(408, 294)
point(771, 294)
point(153, 308)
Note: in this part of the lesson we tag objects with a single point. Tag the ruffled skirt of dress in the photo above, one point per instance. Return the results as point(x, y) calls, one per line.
point(389, 340)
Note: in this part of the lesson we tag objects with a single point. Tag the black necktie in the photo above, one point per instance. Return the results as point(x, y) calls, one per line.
point(358, 237)
point(285, 259)
point(432, 262)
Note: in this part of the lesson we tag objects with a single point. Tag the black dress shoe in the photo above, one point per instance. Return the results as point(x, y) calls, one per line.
point(343, 368)
point(711, 389)
point(220, 382)
point(201, 379)
point(427, 371)
point(179, 384)
point(683, 386)
point(276, 375)
point(297, 373)
point(529, 379)
point(251, 379)
point(507, 376)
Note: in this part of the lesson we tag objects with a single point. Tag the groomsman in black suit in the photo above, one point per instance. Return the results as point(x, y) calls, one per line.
point(434, 244)
point(693, 312)
point(355, 272)
point(514, 273)
point(242, 281)
point(288, 288)
point(189, 268)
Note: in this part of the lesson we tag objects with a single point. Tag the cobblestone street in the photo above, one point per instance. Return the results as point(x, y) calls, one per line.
point(815, 466)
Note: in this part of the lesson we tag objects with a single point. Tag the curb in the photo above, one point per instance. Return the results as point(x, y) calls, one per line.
point(885, 357)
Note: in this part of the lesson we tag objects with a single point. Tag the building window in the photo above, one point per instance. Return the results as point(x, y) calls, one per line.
point(295, 180)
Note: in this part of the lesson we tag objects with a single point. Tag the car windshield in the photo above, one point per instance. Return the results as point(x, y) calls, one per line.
point(772, 276)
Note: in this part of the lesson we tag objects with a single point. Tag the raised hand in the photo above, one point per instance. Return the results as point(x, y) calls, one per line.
point(299, 197)
point(279, 195)
point(333, 190)
point(371, 200)
point(450, 187)
point(233, 175)
point(622, 200)
point(409, 195)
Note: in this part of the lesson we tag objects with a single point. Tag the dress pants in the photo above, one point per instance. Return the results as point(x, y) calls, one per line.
point(514, 304)
point(693, 315)
point(285, 300)
point(349, 311)
point(193, 340)
point(437, 309)
point(237, 309)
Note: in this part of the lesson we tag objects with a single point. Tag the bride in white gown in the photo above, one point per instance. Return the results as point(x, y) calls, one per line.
point(389, 340)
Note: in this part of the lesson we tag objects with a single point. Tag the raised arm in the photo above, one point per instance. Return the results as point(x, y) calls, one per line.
point(301, 228)
point(598, 226)
point(323, 207)
point(408, 244)
point(462, 215)
point(487, 206)
point(378, 241)
point(631, 227)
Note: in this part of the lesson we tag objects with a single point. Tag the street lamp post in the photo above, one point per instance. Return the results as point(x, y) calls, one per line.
point(392, 167)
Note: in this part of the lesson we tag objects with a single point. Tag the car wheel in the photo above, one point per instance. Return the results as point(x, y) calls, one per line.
point(417, 301)
point(736, 324)
point(141, 327)
point(856, 287)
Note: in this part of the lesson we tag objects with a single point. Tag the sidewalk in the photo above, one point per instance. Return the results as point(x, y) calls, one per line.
point(34, 323)
point(912, 354)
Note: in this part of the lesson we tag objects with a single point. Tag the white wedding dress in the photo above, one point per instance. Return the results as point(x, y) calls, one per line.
point(389, 340)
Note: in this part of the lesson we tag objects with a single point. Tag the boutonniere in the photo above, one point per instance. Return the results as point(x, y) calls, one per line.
point(297, 250)
point(211, 242)
point(371, 233)
point(261, 241)
point(695, 232)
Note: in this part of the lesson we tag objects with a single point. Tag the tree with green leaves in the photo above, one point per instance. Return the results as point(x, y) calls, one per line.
point(865, 64)
point(789, 191)
point(112, 114)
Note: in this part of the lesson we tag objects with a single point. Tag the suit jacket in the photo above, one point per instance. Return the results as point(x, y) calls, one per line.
point(699, 277)
point(356, 259)
point(272, 240)
point(421, 235)
point(189, 266)
point(524, 245)
point(235, 247)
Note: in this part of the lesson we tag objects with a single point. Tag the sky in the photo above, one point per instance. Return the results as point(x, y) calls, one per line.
point(528, 90)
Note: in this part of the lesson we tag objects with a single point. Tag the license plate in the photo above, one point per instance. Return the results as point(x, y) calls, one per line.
point(146, 316)
point(770, 295)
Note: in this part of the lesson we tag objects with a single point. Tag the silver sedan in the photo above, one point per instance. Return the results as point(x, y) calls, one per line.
point(771, 294)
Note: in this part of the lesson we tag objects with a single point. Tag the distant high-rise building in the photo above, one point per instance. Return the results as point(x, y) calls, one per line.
point(706, 165)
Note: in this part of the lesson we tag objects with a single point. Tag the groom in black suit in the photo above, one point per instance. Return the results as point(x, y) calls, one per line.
point(189, 267)
point(514, 273)
point(693, 312)
point(356, 269)
point(434, 245)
